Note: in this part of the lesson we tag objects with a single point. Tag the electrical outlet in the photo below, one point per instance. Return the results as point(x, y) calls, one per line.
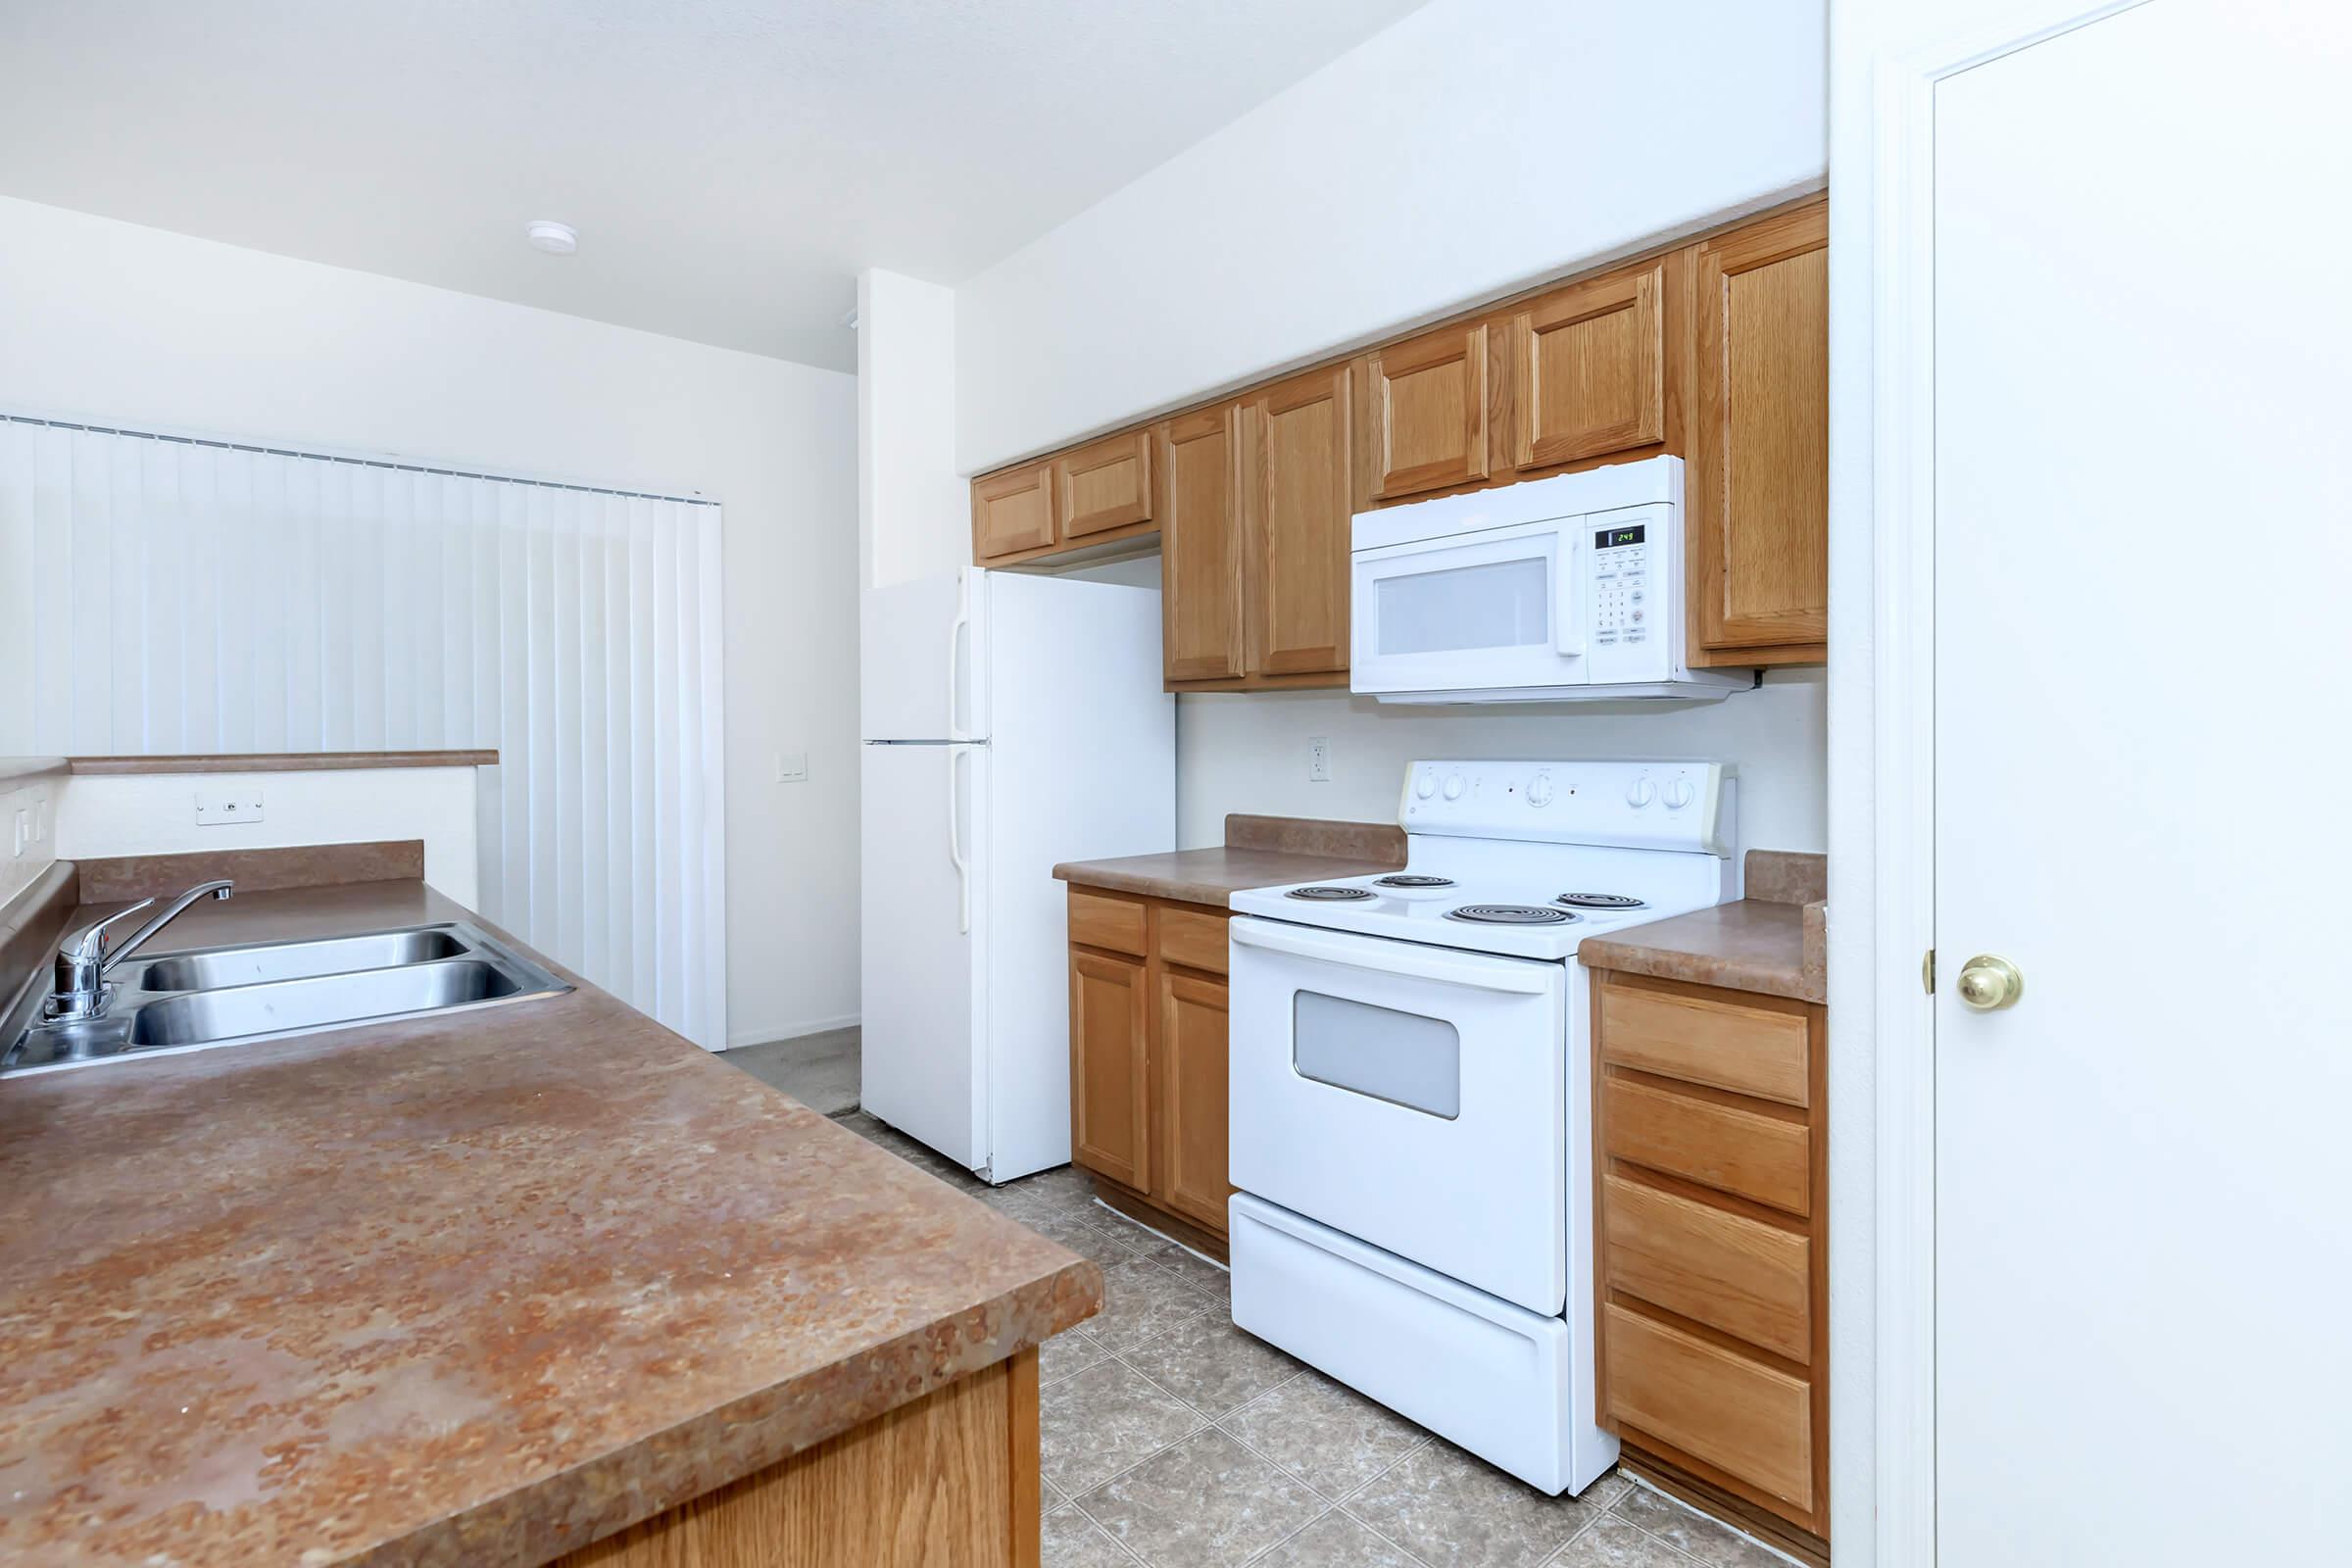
point(1318, 758)
point(225, 807)
point(791, 767)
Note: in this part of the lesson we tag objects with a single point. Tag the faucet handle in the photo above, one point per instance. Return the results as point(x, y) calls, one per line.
point(89, 943)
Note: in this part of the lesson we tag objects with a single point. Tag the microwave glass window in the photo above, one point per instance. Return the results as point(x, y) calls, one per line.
point(1501, 604)
point(1402, 1057)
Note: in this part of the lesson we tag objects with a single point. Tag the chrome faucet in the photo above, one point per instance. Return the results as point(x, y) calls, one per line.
point(84, 960)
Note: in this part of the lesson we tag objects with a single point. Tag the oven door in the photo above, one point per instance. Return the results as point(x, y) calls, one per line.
point(1491, 610)
point(1409, 1095)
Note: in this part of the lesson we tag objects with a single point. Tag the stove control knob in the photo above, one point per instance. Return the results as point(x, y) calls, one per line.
point(1454, 787)
point(1641, 794)
point(1426, 785)
point(1539, 790)
point(1679, 794)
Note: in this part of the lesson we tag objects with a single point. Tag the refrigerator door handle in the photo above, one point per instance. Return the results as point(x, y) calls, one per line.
point(964, 871)
point(956, 632)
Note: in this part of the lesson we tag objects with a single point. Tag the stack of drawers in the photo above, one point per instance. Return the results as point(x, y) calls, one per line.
point(1712, 1190)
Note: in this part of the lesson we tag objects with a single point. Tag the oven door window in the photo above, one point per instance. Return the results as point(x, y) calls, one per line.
point(1402, 1057)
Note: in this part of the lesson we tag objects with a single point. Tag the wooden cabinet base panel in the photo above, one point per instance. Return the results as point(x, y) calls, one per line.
point(1146, 1213)
point(1677, 1477)
point(947, 1481)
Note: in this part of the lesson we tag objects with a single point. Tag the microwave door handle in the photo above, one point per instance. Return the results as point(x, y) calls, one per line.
point(1567, 624)
point(1418, 965)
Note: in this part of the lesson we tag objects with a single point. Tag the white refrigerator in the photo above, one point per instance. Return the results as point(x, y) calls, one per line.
point(1011, 723)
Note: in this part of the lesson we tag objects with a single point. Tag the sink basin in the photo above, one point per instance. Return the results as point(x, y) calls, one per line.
point(261, 961)
point(222, 996)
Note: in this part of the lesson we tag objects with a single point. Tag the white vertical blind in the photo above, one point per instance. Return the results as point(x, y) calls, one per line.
point(189, 596)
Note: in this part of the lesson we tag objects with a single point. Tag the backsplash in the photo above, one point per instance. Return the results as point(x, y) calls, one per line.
point(1247, 751)
point(28, 791)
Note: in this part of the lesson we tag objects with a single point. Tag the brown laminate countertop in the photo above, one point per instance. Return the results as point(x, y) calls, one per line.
point(281, 761)
point(1770, 942)
point(1258, 851)
point(467, 1289)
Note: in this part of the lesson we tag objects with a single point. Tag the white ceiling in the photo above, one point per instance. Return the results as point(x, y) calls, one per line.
point(730, 164)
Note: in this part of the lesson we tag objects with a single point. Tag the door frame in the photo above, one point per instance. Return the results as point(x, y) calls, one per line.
point(1903, 69)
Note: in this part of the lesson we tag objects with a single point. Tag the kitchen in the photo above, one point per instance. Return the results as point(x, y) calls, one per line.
point(1336, 771)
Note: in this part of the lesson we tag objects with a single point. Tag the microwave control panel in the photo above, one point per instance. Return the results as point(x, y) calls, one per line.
point(1621, 608)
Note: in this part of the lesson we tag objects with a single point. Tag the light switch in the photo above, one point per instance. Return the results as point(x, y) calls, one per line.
point(791, 767)
point(223, 808)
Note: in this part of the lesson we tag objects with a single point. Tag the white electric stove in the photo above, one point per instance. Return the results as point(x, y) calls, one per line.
point(1412, 1093)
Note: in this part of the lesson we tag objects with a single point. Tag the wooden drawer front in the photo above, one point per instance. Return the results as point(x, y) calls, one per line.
point(1703, 1040)
point(1730, 1272)
point(1724, 1147)
point(1105, 485)
point(1193, 938)
point(1743, 1417)
point(1012, 511)
point(1097, 921)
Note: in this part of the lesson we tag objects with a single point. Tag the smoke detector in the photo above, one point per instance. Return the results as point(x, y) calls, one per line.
point(546, 234)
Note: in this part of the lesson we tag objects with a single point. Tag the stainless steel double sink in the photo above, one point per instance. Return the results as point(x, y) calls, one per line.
point(200, 997)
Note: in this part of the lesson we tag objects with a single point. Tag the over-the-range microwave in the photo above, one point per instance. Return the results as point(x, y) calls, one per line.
point(1551, 590)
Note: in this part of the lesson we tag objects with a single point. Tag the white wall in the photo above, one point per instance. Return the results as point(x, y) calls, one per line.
point(914, 508)
point(1246, 752)
point(1474, 147)
point(105, 815)
point(111, 321)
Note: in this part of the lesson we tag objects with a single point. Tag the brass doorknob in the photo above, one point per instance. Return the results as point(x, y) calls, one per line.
point(1988, 984)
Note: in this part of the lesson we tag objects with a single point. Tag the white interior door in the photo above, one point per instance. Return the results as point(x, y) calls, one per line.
point(2143, 670)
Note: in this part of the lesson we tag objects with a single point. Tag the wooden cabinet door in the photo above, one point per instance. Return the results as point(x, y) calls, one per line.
point(1104, 485)
point(1295, 476)
point(1110, 1079)
point(1200, 544)
point(1591, 361)
point(1756, 502)
point(1191, 1092)
point(1425, 412)
point(1012, 511)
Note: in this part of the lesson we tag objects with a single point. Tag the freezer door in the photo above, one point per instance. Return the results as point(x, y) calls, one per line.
point(920, 949)
point(918, 646)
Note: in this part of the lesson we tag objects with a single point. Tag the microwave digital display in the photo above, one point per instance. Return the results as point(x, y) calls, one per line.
point(1608, 538)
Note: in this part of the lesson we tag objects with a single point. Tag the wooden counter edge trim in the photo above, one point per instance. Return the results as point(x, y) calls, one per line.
point(278, 761)
point(105, 879)
point(554, 1518)
point(951, 1476)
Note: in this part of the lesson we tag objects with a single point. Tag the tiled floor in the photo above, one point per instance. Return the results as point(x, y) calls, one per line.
point(821, 1071)
point(1173, 1440)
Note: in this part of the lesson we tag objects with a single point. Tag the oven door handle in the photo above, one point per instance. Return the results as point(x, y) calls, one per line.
point(1396, 957)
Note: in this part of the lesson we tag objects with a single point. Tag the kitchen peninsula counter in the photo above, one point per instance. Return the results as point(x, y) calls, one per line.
point(483, 1289)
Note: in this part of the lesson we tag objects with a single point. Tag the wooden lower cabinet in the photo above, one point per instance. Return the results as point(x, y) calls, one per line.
point(1147, 1058)
point(1711, 1260)
point(947, 1480)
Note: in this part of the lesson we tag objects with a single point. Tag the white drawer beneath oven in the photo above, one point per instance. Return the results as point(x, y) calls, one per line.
point(1510, 1386)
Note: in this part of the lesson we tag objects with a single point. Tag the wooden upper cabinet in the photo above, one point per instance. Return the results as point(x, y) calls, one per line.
point(1012, 511)
point(1104, 485)
point(1424, 416)
point(1296, 488)
point(1199, 467)
point(1110, 1086)
point(1591, 367)
point(1757, 490)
